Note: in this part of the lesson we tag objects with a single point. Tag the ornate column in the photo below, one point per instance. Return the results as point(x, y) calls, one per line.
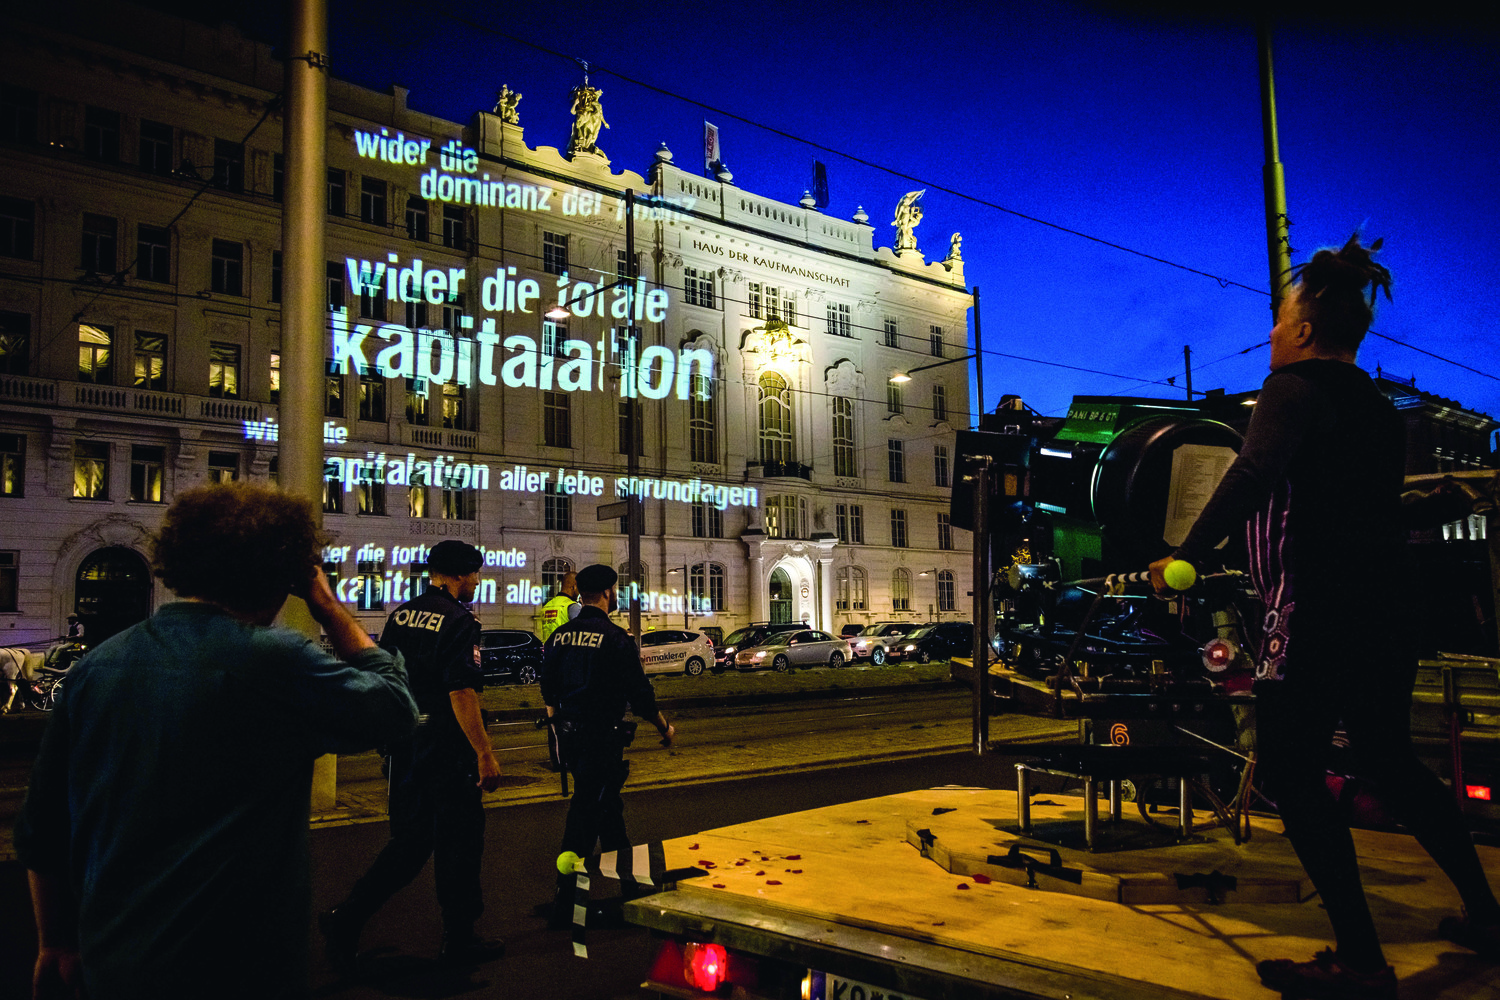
point(755, 561)
point(825, 589)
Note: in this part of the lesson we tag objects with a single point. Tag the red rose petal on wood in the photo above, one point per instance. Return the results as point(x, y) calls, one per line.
point(772, 881)
point(982, 878)
point(963, 885)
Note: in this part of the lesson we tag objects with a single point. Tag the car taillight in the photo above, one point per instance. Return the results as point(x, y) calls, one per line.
point(1218, 654)
point(704, 965)
point(1480, 792)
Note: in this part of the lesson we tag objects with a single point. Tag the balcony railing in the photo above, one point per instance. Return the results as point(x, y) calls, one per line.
point(781, 470)
point(128, 399)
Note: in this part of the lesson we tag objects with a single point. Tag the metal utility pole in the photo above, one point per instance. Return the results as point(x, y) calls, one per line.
point(635, 521)
point(1187, 361)
point(1278, 244)
point(978, 358)
point(304, 294)
point(983, 619)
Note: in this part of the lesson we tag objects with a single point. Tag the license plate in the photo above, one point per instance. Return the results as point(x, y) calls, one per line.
point(826, 986)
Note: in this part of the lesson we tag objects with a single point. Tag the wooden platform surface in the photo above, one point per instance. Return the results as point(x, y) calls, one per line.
point(852, 864)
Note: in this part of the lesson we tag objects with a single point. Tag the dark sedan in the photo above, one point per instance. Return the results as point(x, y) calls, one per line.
point(941, 641)
point(510, 654)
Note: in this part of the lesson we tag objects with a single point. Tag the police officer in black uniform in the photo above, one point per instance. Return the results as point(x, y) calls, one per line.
point(591, 673)
point(436, 778)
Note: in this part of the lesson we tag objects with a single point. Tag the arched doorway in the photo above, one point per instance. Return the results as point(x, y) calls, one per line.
point(781, 598)
point(111, 592)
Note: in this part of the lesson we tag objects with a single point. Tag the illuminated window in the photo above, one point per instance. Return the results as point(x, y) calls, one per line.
point(95, 354)
point(15, 343)
point(945, 593)
point(936, 341)
point(895, 453)
point(557, 509)
point(91, 470)
point(371, 397)
point(849, 588)
point(698, 287)
point(150, 360)
point(156, 147)
point(146, 472)
point(786, 517)
point(459, 505)
point(369, 493)
point(849, 523)
point(945, 531)
point(706, 588)
point(843, 437)
point(455, 406)
point(275, 377)
point(417, 392)
point(776, 426)
point(898, 529)
point(228, 269)
point(892, 333)
point(455, 228)
point(101, 134)
point(336, 193)
point(333, 394)
point(940, 465)
point(370, 586)
point(223, 467)
point(17, 227)
point(18, 113)
point(275, 275)
point(939, 403)
point(557, 420)
point(622, 424)
point(333, 490)
point(895, 398)
point(229, 165)
point(372, 201)
point(838, 319)
point(334, 274)
point(555, 253)
point(416, 501)
point(12, 465)
point(99, 234)
point(554, 335)
point(708, 521)
point(900, 590)
point(153, 253)
point(703, 420)
point(553, 570)
point(416, 219)
point(224, 370)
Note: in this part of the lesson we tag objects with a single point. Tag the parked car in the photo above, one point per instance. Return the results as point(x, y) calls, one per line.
point(940, 641)
point(874, 643)
point(852, 629)
point(751, 635)
point(784, 650)
point(675, 650)
point(510, 654)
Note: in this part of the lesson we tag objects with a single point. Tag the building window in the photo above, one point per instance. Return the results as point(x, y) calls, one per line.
point(153, 253)
point(101, 134)
point(96, 354)
point(838, 319)
point(849, 523)
point(333, 393)
point(10, 580)
point(275, 275)
point(459, 505)
point(892, 333)
point(698, 287)
point(623, 267)
point(416, 219)
point(333, 490)
point(336, 192)
point(767, 302)
point(150, 360)
point(17, 227)
point(372, 201)
point(372, 302)
point(99, 235)
point(555, 253)
point(147, 463)
point(843, 437)
point(12, 465)
point(18, 113)
point(939, 403)
point(334, 275)
point(229, 267)
point(945, 591)
point(91, 470)
point(935, 339)
point(229, 165)
point(708, 521)
point(554, 335)
point(557, 420)
point(453, 311)
point(557, 509)
point(416, 401)
point(703, 420)
point(786, 517)
point(898, 529)
point(945, 531)
point(416, 501)
point(753, 300)
point(371, 397)
point(455, 415)
point(223, 466)
point(156, 147)
point(454, 227)
point(776, 427)
point(850, 590)
point(369, 494)
point(553, 570)
point(895, 398)
point(15, 343)
point(940, 465)
point(416, 314)
point(622, 423)
point(895, 454)
point(370, 586)
point(224, 370)
point(275, 377)
point(901, 590)
point(706, 588)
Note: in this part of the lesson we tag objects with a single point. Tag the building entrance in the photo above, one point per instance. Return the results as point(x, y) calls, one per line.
point(112, 592)
point(781, 598)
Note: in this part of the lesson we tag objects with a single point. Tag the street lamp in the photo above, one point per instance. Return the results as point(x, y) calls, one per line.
point(687, 592)
point(901, 377)
point(939, 614)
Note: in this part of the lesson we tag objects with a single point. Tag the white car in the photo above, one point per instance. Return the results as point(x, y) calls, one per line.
point(675, 651)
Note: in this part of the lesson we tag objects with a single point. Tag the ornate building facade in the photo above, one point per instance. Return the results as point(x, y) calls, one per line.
point(784, 475)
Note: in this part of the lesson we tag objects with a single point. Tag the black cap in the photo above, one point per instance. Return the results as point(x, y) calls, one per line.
point(454, 558)
point(596, 579)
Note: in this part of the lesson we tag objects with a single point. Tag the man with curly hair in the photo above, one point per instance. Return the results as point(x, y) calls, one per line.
point(165, 829)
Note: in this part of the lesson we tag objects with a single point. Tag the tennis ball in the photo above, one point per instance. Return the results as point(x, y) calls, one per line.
point(567, 861)
point(1180, 574)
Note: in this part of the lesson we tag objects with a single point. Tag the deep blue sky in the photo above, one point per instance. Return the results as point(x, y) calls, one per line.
point(1136, 125)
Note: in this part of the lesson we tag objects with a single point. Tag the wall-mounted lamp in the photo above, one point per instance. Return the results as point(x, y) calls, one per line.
point(900, 377)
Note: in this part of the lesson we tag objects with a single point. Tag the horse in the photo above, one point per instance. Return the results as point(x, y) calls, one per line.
point(17, 666)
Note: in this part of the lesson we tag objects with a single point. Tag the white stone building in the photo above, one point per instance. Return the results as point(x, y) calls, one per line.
point(140, 217)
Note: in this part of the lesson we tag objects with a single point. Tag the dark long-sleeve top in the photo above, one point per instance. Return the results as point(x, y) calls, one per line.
point(591, 671)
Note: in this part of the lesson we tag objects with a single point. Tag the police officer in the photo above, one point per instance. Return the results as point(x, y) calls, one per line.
point(436, 778)
point(562, 607)
point(591, 672)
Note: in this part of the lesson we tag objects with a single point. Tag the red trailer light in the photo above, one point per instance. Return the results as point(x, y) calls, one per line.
point(704, 965)
point(1480, 792)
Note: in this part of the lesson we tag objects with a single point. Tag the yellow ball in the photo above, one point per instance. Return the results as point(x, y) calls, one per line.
point(1180, 574)
point(567, 861)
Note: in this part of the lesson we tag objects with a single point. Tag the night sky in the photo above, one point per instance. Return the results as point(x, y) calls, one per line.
point(1136, 125)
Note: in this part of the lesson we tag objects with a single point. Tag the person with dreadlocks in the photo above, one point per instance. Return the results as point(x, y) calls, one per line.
point(1317, 486)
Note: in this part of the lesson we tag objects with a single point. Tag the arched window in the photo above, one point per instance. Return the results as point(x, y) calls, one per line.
point(552, 574)
point(901, 590)
point(843, 437)
point(627, 577)
point(706, 588)
point(945, 590)
point(781, 597)
point(850, 588)
point(776, 428)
